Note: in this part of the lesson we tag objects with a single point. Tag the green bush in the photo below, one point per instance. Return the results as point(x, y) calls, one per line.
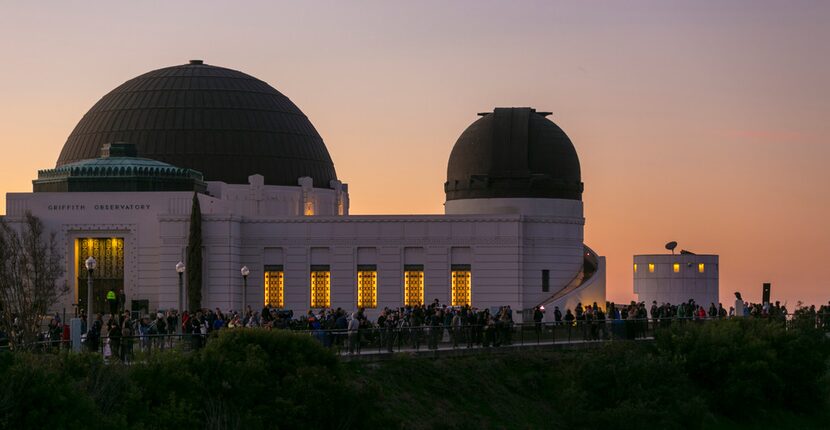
point(747, 366)
point(255, 379)
point(729, 374)
point(39, 392)
point(623, 385)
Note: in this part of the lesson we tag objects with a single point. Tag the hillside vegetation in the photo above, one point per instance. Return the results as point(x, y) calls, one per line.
point(730, 374)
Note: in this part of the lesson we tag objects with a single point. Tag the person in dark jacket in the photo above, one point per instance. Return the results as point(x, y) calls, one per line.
point(93, 335)
point(538, 316)
point(127, 333)
point(122, 300)
point(114, 334)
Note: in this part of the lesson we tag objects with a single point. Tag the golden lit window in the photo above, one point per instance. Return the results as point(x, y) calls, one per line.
point(676, 267)
point(320, 287)
point(367, 287)
point(308, 209)
point(273, 284)
point(413, 285)
point(701, 268)
point(109, 273)
point(341, 205)
point(635, 267)
point(461, 285)
point(650, 267)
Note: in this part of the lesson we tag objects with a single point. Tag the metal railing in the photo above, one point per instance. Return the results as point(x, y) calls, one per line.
point(384, 340)
point(380, 340)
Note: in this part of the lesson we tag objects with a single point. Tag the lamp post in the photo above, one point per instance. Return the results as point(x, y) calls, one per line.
point(180, 270)
point(245, 272)
point(90, 264)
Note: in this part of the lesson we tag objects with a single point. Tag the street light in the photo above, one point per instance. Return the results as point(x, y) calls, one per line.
point(90, 264)
point(180, 270)
point(245, 272)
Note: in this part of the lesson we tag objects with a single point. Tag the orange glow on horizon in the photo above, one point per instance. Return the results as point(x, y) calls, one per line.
point(711, 135)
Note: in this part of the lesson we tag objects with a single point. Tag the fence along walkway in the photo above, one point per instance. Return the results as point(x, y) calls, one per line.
point(376, 341)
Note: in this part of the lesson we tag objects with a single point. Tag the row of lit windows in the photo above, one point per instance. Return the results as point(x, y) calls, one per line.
point(701, 268)
point(367, 287)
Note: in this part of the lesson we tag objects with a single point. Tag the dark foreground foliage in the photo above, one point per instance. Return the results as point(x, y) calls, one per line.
point(730, 374)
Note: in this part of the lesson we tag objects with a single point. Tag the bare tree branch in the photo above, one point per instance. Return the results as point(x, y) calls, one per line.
point(30, 266)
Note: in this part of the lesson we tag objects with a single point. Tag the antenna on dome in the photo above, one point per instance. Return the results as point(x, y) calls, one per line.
point(671, 245)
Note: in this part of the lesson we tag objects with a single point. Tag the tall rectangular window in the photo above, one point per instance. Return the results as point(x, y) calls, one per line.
point(650, 267)
point(676, 267)
point(367, 286)
point(701, 268)
point(461, 288)
point(341, 205)
point(108, 276)
point(635, 267)
point(413, 285)
point(273, 283)
point(545, 281)
point(320, 286)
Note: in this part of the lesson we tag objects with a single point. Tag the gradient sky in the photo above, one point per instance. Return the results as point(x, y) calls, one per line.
point(700, 122)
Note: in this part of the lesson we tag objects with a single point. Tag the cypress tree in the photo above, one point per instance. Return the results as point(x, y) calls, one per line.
point(194, 257)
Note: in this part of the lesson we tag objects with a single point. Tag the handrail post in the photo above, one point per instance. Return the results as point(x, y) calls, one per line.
point(553, 333)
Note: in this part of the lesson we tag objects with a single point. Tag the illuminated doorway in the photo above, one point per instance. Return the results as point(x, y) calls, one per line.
point(108, 275)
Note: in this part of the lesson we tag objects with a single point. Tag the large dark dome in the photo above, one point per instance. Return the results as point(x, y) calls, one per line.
point(513, 152)
point(221, 122)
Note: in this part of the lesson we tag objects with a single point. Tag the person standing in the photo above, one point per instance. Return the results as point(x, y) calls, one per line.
point(721, 311)
point(122, 300)
point(538, 316)
point(739, 305)
point(114, 336)
point(354, 334)
point(127, 334)
point(93, 335)
point(456, 328)
point(112, 301)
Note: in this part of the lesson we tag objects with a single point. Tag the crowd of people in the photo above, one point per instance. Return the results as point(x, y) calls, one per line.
point(414, 327)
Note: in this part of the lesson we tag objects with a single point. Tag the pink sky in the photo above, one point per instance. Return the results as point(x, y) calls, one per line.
point(701, 122)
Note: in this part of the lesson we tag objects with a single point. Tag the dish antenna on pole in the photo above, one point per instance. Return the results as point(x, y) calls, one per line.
point(671, 245)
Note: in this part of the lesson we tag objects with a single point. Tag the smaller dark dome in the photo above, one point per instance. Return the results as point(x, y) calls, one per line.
point(510, 153)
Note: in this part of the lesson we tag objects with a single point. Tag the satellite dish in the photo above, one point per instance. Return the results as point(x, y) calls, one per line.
point(671, 245)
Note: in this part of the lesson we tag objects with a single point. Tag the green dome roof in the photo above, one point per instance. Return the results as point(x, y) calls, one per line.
point(118, 169)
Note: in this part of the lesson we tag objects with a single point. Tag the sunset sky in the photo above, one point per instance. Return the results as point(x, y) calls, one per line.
point(700, 122)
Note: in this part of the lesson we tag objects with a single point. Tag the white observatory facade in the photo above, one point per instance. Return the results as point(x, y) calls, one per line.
point(124, 184)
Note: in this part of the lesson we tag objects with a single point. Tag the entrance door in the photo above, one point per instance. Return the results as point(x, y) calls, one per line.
point(109, 273)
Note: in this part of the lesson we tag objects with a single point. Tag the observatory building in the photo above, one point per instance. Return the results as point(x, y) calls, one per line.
point(676, 278)
point(123, 189)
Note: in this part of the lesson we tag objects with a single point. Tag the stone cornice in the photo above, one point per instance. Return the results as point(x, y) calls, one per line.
point(379, 219)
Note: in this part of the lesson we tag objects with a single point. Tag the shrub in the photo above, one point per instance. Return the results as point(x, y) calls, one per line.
point(254, 379)
point(38, 393)
point(728, 373)
point(746, 366)
point(624, 385)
